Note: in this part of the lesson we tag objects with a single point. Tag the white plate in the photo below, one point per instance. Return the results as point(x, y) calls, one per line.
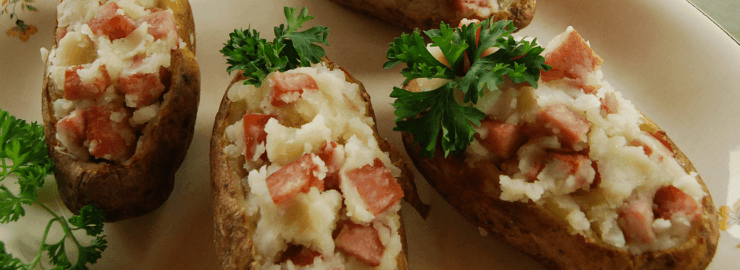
point(666, 56)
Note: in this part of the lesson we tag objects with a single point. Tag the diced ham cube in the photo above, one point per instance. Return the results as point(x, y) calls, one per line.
point(162, 25)
point(569, 126)
point(469, 6)
point(286, 88)
point(502, 139)
point(376, 185)
point(254, 132)
point(573, 164)
point(142, 89)
point(636, 221)
point(670, 200)
point(333, 162)
point(299, 255)
point(109, 139)
point(294, 178)
point(71, 132)
point(361, 242)
point(609, 103)
point(572, 58)
point(108, 22)
point(75, 89)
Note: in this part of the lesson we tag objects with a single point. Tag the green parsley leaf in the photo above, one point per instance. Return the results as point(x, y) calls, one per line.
point(257, 57)
point(11, 208)
point(90, 219)
point(90, 254)
point(57, 253)
point(23, 154)
point(424, 114)
point(439, 110)
point(412, 50)
point(7, 261)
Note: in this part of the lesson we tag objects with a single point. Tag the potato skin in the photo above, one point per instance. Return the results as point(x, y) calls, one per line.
point(427, 14)
point(143, 182)
point(232, 233)
point(538, 233)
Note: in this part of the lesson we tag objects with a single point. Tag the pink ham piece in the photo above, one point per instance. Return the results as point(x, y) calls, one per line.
point(502, 139)
point(333, 163)
point(108, 22)
point(75, 89)
point(145, 88)
point(636, 220)
point(361, 242)
point(671, 200)
point(469, 6)
point(162, 26)
point(572, 58)
point(254, 132)
point(573, 164)
point(108, 139)
point(286, 88)
point(376, 185)
point(71, 130)
point(294, 178)
point(609, 103)
point(569, 126)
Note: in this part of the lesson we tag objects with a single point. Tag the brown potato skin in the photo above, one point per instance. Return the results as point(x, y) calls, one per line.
point(538, 233)
point(233, 237)
point(427, 14)
point(143, 182)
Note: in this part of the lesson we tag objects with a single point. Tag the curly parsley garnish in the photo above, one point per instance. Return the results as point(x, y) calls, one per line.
point(520, 61)
point(23, 154)
point(290, 49)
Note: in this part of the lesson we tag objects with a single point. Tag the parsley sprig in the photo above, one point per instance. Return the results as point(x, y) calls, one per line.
point(257, 57)
point(424, 114)
point(23, 154)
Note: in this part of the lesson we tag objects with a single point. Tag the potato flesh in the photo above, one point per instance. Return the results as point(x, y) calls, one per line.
point(96, 56)
point(335, 113)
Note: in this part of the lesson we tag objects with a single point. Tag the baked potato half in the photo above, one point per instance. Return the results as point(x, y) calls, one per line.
point(427, 14)
point(300, 176)
point(120, 98)
point(321, 123)
point(569, 172)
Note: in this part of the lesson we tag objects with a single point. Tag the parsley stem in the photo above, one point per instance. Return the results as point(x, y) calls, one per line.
point(65, 228)
point(62, 222)
point(41, 247)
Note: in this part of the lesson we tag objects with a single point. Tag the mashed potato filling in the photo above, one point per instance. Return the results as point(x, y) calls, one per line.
point(111, 56)
point(312, 177)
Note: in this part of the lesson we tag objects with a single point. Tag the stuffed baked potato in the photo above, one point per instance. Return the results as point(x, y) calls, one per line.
point(300, 176)
point(567, 170)
point(427, 14)
point(120, 98)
